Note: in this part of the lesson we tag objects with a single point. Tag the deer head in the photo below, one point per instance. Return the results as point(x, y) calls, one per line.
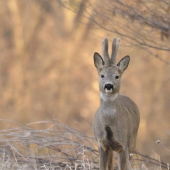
point(109, 72)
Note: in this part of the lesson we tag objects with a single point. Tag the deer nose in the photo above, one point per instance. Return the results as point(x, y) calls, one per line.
point(108, 86)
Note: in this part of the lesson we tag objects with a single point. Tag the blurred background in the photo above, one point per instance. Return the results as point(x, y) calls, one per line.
point(46, 62)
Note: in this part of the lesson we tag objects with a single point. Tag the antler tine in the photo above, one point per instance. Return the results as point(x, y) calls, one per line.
point(105, 51)
point(115, 48)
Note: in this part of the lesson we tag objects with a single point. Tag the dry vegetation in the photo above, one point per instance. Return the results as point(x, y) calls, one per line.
point(58, 147)
point(46, 71)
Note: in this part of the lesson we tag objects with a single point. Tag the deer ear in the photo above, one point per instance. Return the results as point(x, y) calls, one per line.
point(98, 61)
point(123, 63)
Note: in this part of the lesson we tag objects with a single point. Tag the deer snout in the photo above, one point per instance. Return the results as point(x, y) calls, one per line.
point(108, 86)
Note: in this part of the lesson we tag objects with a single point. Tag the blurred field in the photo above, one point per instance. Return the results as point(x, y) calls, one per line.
point(46, 70)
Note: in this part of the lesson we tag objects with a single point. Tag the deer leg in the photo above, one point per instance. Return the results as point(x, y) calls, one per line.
point(103, 156)
point(124, 160)
point(110, 160)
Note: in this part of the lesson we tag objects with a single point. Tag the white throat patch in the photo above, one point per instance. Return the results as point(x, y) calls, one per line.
point(108, 96)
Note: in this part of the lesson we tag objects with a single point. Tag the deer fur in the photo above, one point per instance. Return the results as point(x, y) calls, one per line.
point(117, 119)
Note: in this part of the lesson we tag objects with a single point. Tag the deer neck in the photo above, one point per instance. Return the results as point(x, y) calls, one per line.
point(108, 106)
point(108, 99)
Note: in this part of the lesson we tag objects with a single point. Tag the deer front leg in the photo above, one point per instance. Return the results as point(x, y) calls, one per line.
point(103, 156)
point(110, 160)
point(124, 160)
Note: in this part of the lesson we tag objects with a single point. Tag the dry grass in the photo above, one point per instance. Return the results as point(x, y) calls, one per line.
point(55, 146)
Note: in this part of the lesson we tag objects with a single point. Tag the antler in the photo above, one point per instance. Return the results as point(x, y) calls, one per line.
point(115, 48)
point(105, 51)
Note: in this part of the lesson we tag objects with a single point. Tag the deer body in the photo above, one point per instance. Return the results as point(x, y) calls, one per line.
point(117, 119)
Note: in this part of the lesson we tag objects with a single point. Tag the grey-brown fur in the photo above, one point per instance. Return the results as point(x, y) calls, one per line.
point(117, 119)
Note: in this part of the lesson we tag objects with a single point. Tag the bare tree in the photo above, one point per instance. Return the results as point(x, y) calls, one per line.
point(142, 23)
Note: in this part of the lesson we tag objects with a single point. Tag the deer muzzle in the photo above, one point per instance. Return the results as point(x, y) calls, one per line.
point(108, 88)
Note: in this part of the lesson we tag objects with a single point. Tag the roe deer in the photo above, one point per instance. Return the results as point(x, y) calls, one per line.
point(117, 119)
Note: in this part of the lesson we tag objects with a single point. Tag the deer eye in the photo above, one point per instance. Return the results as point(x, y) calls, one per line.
point(117, 77)
point(102, 76)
